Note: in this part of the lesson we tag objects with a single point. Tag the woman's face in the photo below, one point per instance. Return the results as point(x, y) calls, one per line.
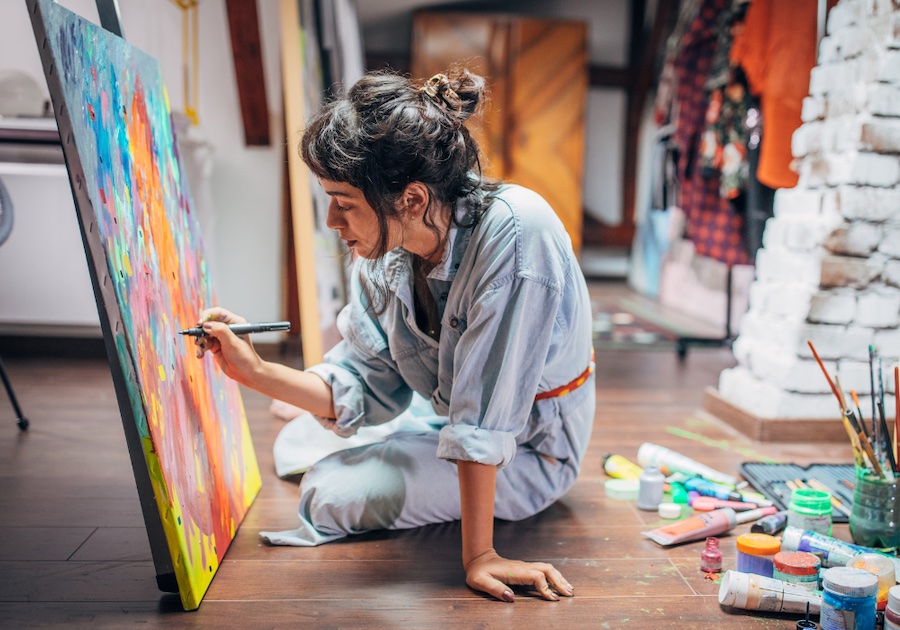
point(351, 216)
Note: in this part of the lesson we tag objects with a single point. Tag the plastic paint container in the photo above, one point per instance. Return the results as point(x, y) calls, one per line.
point(622, 489)
point(756, 553)
point(875, 515)
point(651, 483)
point(848, 599)
point(881, 567)
point(810, 510)
point(892, 612)
point(797, 567)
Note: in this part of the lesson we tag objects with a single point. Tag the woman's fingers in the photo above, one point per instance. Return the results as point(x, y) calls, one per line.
point(493, 587)
point(557, 581)
point(219, 314)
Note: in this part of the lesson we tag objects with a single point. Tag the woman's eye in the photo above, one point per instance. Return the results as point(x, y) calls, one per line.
point(343, 208)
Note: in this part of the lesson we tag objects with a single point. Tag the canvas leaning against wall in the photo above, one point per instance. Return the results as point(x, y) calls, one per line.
point(184, 421)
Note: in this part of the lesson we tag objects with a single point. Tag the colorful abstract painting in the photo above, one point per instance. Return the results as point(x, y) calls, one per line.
point(184, 420)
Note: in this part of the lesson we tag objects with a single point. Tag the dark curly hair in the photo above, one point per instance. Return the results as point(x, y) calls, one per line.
point(388, 131)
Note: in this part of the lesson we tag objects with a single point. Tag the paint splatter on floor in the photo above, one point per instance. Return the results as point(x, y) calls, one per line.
point(725, 445)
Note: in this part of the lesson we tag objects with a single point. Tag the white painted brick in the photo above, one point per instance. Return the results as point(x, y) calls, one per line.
point(814, 172)
point(872, 67)
point(854, 239)
point(890, 244)
point(891, 273)
point(868, 169)
point(881, 136)
point(883, 99)
point(854, 376)
point(888, 67)
point(787, 300)
point(876, 9)
point(797, 201)
point(792, 405)
point(846, 100)
point(866, 204)
point(787, 371)
point(836, 342)
point(807, 139)
point(879, 309)
point(846, 271)
point(741, 349)
point(851, 41)
point(739, 387)
point(846, 134)
point(813, 109)
point(843, 15)
point(832, 307)
point(763, 328)
point(829, 50)
point(887, 342)
point(776, 263)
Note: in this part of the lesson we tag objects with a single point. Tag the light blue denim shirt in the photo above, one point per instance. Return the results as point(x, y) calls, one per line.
point(516, 321)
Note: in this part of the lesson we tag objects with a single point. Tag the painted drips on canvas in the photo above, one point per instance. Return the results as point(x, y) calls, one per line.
point(190, 418)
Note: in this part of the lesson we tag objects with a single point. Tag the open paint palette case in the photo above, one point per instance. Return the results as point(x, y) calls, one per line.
point(771, 480)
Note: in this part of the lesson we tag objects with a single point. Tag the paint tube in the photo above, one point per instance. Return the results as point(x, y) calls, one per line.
point(619, 467)
point(704, 525)
point(707, 504)
point(676, 462)
point(694, 527)
point(755, 592)
point(712, 489)
point(835, 553)
point(771, 524)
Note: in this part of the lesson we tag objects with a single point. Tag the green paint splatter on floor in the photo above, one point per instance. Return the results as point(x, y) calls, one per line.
point(725, 445)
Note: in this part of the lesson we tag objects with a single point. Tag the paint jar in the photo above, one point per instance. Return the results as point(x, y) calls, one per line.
point(797, 567)
point(621, 489)
point(881, 567)
point(810, 510)
point(651, 488)
point(848, 599)
point(875, 515)
point(711, 557)
point(892, 612)
point(756, 553)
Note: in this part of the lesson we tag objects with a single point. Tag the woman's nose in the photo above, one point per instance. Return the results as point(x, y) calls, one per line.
point(332, 220)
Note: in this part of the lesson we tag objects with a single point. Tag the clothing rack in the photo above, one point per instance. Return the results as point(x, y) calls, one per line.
point(683, 342)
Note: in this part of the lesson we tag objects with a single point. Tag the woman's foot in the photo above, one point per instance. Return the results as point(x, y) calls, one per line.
point(284, 411)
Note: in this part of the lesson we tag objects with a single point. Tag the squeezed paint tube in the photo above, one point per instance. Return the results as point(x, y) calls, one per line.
point(619, 467)
point(707, 504)
point(703, 525)
point(712, 489)
point(771, 524)
point(835, 553)
point(676, 462)
point(749, 591)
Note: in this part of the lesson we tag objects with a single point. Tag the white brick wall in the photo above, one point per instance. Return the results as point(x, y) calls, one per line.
point(829, 270)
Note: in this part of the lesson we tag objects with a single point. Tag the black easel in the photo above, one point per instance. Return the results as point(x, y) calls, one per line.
point(22, 421)
point(682, 343)
point(6, 222)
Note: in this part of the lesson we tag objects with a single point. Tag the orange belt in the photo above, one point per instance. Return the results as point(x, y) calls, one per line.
point(569, 387)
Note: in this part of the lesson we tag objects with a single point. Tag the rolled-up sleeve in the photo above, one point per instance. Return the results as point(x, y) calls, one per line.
point(498, 364)
point(365, 385)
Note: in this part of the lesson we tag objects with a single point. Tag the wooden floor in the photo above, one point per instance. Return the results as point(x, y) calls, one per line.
point(73, 550)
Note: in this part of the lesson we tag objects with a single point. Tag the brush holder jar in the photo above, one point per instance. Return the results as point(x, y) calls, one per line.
point(875, 517)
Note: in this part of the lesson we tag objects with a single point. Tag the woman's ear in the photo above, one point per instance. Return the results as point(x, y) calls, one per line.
point(415, 199)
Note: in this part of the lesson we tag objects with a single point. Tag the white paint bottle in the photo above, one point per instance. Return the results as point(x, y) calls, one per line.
point(650, 494)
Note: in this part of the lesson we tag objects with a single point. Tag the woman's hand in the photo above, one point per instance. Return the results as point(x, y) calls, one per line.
point(234, 354)
point(495, 575)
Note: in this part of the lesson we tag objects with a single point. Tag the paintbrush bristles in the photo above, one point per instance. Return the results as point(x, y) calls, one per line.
point(839, 392)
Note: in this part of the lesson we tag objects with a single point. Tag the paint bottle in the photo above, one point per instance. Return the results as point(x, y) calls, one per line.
point(711, 557)
point(710, 489)
point(797, 567)
point(676, 462)
point(848, 599)
point(810, 510)
point(651, 492)
point(619, 467)
point(770, 525)
point(755, 592)
point(892, 612)
point(882, 568)
point(756, 553)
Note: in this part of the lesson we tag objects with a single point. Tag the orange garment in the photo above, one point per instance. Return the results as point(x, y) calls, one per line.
point(777, 49)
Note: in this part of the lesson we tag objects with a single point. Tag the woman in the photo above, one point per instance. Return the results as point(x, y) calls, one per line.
point(463, 291)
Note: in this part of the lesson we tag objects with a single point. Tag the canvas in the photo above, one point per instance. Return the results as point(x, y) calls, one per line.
point(184, 421)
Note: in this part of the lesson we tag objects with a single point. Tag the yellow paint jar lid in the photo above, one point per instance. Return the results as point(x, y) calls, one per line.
point(758, 544)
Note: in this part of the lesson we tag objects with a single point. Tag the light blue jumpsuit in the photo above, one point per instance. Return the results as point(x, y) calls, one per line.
point(516, 321)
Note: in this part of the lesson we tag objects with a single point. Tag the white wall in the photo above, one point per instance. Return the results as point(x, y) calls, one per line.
point(245, 182)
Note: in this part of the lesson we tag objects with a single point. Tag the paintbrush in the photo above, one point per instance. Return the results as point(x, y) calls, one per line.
point(884, 432)
point(862, 424)
point(879, 403)
point(872, 384)
point(896, 410)
point(825, 372)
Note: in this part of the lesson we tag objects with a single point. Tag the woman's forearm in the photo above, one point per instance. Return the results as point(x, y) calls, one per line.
point(299, 388)
point(476, 491)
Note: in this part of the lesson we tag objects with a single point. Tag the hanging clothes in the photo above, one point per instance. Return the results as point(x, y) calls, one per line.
point(777, 50)
point(713, 224)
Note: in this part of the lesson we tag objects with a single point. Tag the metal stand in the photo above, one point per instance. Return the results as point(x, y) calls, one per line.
point(22, 420)
point(682, 343)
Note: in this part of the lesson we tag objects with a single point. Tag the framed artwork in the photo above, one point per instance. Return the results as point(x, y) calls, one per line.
point(184, 421)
